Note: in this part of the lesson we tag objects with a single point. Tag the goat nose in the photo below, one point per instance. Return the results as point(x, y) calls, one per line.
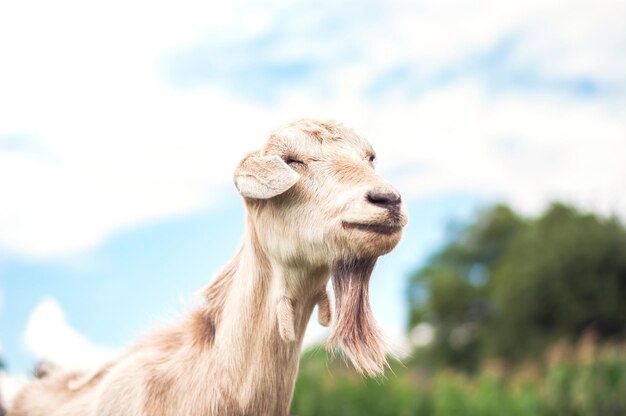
point(385, 197)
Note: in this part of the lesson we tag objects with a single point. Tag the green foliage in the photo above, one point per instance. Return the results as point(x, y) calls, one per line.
point(574, 383)
point(509, 286)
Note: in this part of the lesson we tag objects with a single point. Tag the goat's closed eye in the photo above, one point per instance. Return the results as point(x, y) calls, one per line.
point(293, 161)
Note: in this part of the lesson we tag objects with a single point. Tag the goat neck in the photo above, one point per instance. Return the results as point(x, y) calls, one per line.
point(260, 314)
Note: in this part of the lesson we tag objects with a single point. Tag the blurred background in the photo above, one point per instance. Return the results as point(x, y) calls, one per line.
point(503, 124)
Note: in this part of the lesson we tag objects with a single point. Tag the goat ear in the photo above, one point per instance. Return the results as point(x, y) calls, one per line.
point(263, 177)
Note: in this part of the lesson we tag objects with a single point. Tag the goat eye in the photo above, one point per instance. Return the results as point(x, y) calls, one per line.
point(372, 159)
point(293, 161)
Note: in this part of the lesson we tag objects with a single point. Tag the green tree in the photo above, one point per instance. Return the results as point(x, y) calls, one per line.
point(509, 286)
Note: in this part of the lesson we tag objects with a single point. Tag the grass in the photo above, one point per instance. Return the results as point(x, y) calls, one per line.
point(568, 381)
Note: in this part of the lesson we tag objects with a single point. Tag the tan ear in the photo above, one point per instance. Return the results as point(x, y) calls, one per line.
point(263, 177)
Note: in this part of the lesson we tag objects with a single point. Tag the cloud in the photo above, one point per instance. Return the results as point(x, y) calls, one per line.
point(545, 46)
point(50, 338)
point(524, 149)
point(10, 384)
point(92, 181)
point(499, 71)
point(297, 46)
point(100, 133)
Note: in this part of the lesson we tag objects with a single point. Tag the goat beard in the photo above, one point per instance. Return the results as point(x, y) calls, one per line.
point(355, 329)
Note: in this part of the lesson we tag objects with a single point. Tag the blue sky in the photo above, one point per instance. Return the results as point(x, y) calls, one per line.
point(121, 124)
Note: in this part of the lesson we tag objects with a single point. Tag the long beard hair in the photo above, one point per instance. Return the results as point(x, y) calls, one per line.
point(355, 329)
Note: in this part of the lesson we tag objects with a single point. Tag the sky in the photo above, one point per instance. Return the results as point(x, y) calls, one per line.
point(121, 123)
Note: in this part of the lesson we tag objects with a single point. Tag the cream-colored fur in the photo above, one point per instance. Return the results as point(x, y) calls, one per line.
point(308, 210)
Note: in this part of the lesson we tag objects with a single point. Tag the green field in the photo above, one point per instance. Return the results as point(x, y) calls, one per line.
point(581, 380)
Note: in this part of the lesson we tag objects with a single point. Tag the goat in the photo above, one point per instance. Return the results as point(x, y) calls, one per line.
point(315, 207)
